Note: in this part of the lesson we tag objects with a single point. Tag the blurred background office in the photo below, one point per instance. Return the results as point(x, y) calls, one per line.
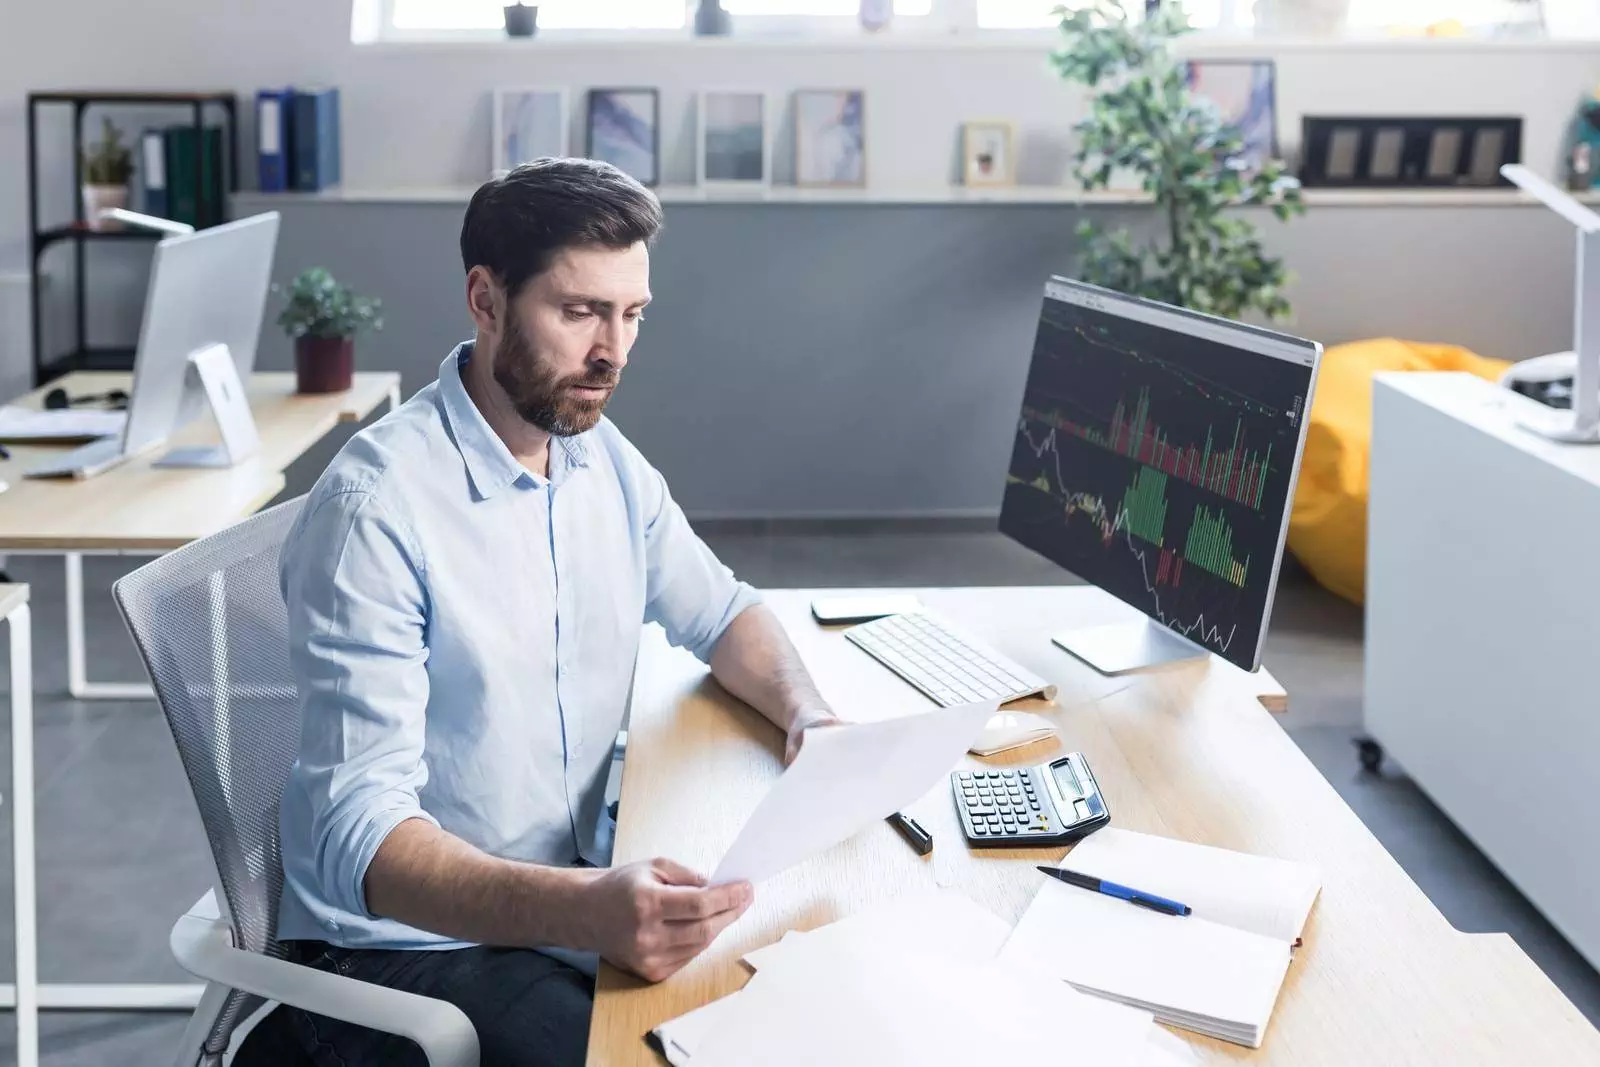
point(864, 199)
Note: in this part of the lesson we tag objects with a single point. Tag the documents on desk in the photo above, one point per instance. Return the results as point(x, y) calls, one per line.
point(844, 780)
point(64, 426)
point(1216, 972)
point(915, 981)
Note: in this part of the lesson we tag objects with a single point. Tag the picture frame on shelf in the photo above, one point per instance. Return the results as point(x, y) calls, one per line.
point(623, 128)
point(830, 138)
point(1245, 93)
point(734, 131)
point(988, 153)
point(529, 124)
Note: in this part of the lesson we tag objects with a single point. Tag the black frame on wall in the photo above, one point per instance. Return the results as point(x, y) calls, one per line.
point(1416, 152)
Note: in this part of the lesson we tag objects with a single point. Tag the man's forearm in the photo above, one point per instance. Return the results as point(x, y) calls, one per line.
point(755, 661)
point(432, 880)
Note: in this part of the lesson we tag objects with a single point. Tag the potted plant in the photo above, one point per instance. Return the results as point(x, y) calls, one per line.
point(522, 20)
point(1143, 119)
point(323, 318)
point(107, 166)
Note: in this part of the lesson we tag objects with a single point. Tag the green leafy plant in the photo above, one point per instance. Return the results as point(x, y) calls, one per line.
point(1143, 119)
point(107, 161)
point(319, 306)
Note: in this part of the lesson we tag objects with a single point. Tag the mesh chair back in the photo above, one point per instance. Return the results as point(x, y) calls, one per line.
point(210, 624)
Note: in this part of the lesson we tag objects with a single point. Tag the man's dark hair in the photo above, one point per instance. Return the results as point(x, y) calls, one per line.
point(516, 224)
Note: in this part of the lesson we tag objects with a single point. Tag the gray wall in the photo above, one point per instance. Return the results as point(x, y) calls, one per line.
point(867, 360)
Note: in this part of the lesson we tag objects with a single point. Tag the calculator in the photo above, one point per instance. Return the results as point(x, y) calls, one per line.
point(1029, 807)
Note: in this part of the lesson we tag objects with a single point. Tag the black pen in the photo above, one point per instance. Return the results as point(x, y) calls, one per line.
point(912, 831)
point(5, 453)
point(1121, 892)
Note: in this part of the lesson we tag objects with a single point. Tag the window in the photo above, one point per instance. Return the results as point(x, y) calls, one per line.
point(421, 16)
point(1365, 15)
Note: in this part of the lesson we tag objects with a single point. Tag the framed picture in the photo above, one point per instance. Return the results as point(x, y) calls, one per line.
point(1245, 93)
point(624, 129)
point(987, 155)
point(529, 124)
point(1408, 151)
point(735, 145)
point(830, 137)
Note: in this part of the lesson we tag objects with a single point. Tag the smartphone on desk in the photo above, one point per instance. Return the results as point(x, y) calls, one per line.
point(838, 610)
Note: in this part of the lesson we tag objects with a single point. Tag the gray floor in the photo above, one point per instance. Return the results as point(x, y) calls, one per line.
point(121, 851)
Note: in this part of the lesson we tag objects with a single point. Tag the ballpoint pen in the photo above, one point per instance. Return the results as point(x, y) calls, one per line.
point(1122, 892)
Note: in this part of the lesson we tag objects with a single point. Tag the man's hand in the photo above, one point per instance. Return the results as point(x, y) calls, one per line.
point(805, 720)
point(653, 917)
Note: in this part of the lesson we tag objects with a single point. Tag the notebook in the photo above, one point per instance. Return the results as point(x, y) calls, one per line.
point(1217, 971)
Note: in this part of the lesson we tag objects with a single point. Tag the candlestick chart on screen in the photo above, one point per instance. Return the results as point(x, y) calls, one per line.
point(1157, 465)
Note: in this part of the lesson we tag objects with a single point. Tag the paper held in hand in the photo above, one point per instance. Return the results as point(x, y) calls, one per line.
point(844, 780)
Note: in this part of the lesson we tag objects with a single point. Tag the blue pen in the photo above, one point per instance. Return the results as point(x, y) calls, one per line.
point(1121, 892)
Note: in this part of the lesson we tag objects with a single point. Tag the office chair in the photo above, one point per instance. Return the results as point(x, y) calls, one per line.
point(211, 627)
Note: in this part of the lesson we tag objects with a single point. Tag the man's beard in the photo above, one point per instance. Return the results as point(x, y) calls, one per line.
point(538, 395)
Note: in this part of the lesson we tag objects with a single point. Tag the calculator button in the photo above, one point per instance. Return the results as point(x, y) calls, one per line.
point(965, 777)
point(980, 830)
point(1008, 774)
point(1034, 804)
point(979, 811)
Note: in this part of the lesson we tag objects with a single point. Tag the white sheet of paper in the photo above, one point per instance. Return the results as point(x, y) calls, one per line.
point(1185, 967)
point(26, 424)
point(938, 922)
point(864, 1007)
point(683, 1035)
point(1267, 896)
point(1167, 1049)
point(844, 780)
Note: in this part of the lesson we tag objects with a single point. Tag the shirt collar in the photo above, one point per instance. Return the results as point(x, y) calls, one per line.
point(489, 462)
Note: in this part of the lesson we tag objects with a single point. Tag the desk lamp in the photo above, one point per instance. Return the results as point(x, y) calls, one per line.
point(1584, 425)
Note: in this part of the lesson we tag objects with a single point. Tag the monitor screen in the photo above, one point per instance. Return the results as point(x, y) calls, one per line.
point(1155, 457)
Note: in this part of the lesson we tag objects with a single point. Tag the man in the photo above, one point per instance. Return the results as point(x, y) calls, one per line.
point(465, 589)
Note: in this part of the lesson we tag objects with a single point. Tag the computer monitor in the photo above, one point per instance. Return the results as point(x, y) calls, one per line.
point(1156, 457)
point(206, 288)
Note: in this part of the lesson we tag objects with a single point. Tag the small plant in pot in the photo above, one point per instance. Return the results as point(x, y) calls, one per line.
point(107, 166)
point(323, 318)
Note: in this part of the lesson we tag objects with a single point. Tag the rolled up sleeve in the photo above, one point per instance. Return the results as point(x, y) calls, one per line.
point(688, 590)
point(354, 586)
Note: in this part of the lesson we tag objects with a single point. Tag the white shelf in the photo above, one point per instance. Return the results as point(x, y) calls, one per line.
point(950, 195)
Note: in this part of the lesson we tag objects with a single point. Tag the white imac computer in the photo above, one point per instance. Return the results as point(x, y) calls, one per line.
point(207, 292)
point(1155, 457)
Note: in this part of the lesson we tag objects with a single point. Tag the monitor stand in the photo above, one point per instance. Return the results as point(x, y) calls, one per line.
point(230, 406)
point(1126, 646)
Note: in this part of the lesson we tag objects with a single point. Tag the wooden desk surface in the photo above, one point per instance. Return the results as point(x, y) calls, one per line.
point(12, 596)
point(138, 506)
point(1186, 751)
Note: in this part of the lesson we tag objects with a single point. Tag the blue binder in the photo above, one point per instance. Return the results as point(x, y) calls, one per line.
point(274, 139)
point(153, 172)
point(316, 139)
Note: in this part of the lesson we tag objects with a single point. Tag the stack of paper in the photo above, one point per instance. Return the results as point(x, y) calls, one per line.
point(915, 981)
point(26, 424)
point(1217, 971)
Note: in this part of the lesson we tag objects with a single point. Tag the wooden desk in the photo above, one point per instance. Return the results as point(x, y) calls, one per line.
point(1186, 751)
point(138, 507)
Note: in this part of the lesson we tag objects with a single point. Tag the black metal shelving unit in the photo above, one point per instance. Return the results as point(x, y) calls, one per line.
point(83, 357)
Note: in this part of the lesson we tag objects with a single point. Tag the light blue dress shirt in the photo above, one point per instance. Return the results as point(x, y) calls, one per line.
point(463, 633)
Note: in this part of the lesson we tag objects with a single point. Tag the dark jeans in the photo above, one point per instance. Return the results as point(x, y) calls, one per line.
point(529, 1010)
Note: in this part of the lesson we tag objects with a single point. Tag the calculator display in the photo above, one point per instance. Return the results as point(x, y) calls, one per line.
point(1066, 781)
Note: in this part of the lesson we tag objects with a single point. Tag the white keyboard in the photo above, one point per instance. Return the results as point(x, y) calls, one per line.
point(949, 667)
point(84, 461)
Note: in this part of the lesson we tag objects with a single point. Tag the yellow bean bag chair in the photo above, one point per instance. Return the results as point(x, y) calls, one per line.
point(1328, 522)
